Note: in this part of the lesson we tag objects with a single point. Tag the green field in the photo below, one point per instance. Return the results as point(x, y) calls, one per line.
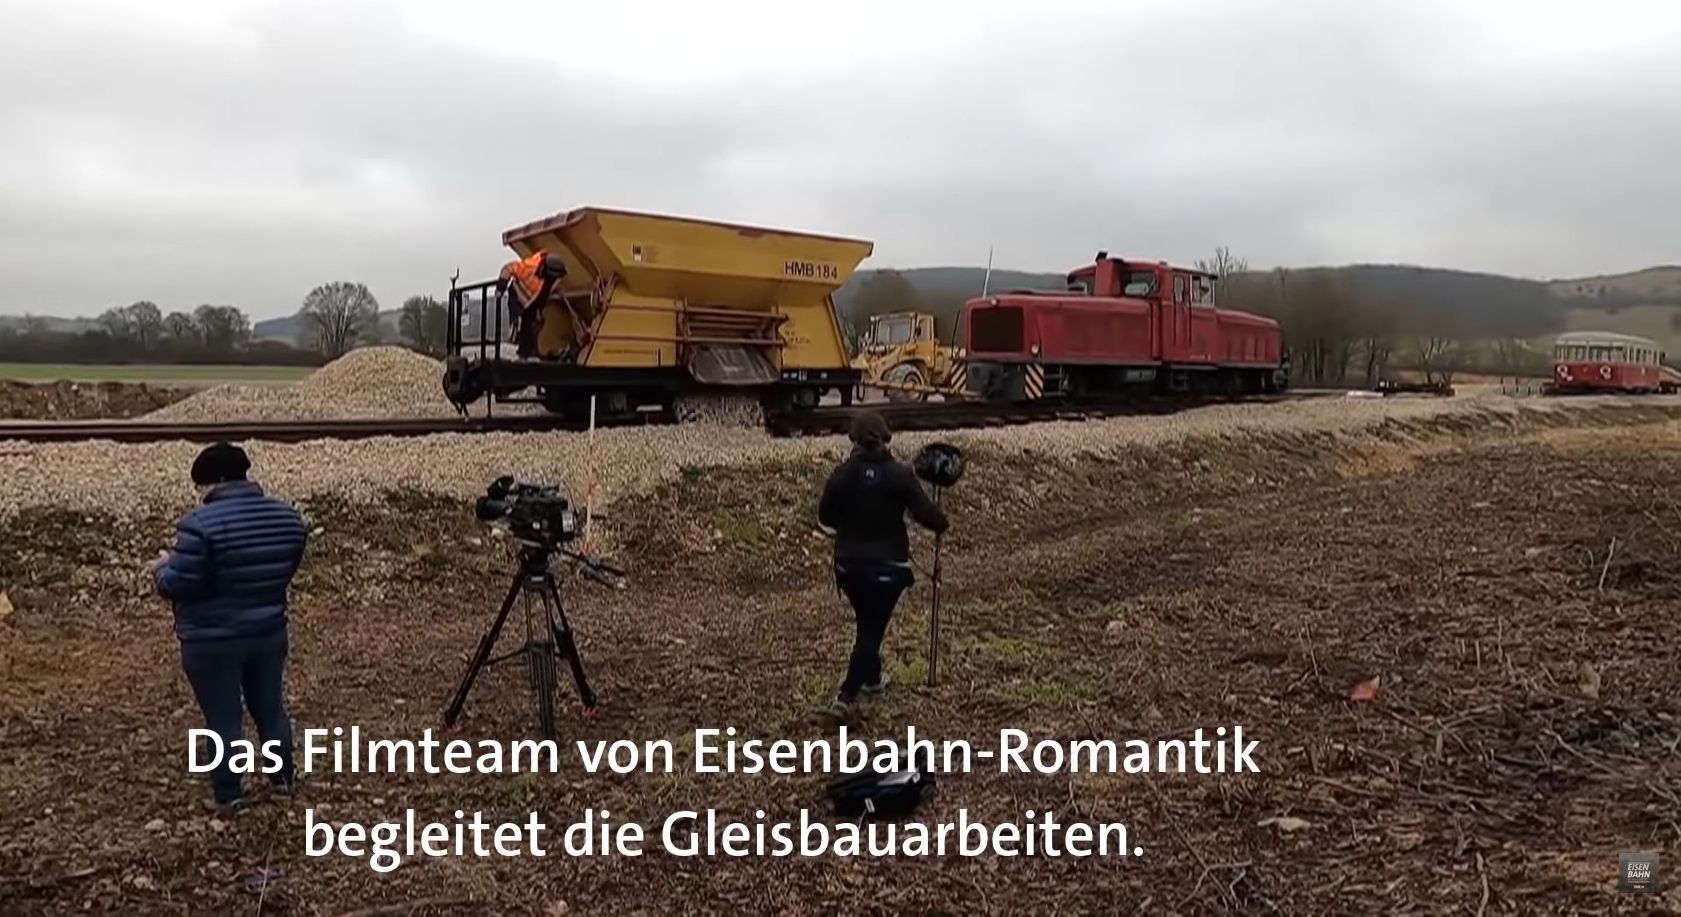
point(154, 375)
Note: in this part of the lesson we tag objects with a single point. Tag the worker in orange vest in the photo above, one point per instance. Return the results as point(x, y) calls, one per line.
point(528, 283)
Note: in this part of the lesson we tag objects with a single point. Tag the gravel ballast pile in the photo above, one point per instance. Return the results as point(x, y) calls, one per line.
point(742, 411)
point(82, 477)
point(367, 382)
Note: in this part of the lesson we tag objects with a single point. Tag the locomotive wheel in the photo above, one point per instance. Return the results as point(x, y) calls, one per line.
point(905, 374)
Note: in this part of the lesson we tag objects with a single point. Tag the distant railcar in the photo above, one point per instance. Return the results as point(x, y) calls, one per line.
point(1606, 363)
point(1120, 327)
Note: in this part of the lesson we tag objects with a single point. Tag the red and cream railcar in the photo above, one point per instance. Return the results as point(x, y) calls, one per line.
point(1606, 363)
point(1119, 327)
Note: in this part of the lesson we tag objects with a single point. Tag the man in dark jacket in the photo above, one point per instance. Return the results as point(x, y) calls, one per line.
point(865, 502)
point(228, 577)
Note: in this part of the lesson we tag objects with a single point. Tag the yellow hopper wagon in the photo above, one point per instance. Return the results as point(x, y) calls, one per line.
point(651, 308)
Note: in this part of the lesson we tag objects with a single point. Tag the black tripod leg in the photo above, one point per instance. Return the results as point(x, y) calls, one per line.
point(934, 610)
point(564, 643)
point(487, 643)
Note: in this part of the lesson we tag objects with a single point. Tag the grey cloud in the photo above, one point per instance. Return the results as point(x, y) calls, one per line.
point(330, 141)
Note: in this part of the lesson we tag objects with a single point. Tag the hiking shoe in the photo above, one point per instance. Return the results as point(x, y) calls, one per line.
point(877, 688)
point(217, 807)
point(836, 709)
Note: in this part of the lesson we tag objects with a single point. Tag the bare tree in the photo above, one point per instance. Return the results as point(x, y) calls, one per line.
point(1375, 326)
point(1432, 353)
point(424, 324)
point(222, 328)
point(180, 327)
point(1318, 315)
point(114, 322)
point(147, 321)
point(140, 324)
point(1376, 348)
point(1510, 356)
point(337, 315)
point(1224, 265)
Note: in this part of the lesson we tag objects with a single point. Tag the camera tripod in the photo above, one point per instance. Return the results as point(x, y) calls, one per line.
point(941, 465)
point(548, 636)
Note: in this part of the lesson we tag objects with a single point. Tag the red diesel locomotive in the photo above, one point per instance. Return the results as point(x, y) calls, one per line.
point(1121, 327)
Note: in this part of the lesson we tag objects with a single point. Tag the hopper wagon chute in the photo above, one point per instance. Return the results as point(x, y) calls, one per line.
point(654, 307)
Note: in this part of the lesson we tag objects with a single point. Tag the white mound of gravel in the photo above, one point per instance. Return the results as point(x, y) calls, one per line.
point(366, 382)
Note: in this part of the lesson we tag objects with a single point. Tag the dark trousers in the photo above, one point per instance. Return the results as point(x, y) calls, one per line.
point(221, 672)
point(873, 590)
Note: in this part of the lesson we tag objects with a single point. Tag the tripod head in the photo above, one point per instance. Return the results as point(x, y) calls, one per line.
point(535, 557)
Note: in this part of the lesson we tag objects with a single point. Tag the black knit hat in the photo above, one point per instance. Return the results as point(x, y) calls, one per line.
point(219, 463)
point(870, 429)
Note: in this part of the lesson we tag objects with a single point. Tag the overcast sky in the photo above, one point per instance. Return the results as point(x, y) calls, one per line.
point(242, 151)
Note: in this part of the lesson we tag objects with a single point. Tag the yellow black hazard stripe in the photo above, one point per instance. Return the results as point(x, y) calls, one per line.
point(1035, 386)
point(959, 379)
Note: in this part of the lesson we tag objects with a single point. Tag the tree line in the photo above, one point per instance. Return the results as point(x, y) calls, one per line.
point(144, 333)
point(334, 318)
point(340, 316)
point(1347, 327)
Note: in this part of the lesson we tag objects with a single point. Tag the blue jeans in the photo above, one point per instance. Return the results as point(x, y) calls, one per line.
point(874, 590)
point(221, 671)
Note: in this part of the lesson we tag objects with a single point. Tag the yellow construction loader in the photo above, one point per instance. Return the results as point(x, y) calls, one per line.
point(901, 356)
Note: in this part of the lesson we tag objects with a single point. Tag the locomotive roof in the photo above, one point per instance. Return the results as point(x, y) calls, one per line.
point(1603, 337)
point(1140, 262)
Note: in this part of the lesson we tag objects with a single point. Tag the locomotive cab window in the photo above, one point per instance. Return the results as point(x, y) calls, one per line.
point(1202, 292)
point(1140, 285)
point(1180, 293)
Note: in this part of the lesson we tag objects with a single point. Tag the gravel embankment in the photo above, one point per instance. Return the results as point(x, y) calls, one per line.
point(141, 479)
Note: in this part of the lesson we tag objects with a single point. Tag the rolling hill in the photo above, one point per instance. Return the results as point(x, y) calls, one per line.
point(1645, 302)
point(1482, 300)
point(1651, 285)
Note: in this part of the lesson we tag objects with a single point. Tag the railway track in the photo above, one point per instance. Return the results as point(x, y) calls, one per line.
point(819, 422)
point(285, 431)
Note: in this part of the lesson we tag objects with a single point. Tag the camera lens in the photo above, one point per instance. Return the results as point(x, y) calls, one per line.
point(488, 509)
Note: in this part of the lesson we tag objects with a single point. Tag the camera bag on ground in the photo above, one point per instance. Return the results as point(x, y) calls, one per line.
point(893, 793)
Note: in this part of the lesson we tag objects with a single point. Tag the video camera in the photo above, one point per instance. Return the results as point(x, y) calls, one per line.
point(541, 515)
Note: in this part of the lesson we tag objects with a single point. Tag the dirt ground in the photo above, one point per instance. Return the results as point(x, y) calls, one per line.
point(66, 400)
point(1524, 730)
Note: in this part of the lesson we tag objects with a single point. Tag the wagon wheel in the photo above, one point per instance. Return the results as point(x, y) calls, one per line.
point(905, 374)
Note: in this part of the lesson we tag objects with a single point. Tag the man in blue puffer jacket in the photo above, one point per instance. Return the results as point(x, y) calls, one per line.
point(228, 576)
